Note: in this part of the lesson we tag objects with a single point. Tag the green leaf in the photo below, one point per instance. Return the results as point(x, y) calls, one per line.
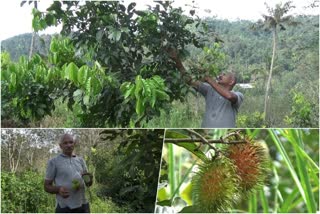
point(138, 86)
point(191, 209)
point(40, 111)
point(191, 147)
point(286, 159)
point(96, 86)
point(77, 93)
point(54, 46)
point(252, 203)
point(139, 107)
point(115, 35)
point(289, 200)
point(164, 202)
point(99, 35)
point(186, 193)
point(146, 88)
point(153, 98)
point(264, 201)
point(88, 86)
point(82, 74)
point(140, 13)
point(162, 95)
point(13, 82)
point(36, 23)
point(129, 91)
point(86, 100)
point(304, 176)
point(72, 70)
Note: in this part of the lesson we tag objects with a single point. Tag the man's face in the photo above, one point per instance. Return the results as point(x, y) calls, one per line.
point(67, 145)
point(225, 79)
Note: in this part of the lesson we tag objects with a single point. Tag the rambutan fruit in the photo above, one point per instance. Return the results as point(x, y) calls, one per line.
point(215, 185)
point(252, 164)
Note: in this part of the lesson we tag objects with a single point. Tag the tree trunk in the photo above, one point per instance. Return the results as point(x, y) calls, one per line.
point(266, 98)
point(35, 5)
point(31, 45)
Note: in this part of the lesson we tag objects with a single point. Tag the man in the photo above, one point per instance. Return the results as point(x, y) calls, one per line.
point(222, 103)
point(66, 171)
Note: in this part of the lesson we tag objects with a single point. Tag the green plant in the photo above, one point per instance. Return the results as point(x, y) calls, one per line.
point(147, 93)
point(301, 111)
point(24, 192)
point(130, 46)
point(250, 120)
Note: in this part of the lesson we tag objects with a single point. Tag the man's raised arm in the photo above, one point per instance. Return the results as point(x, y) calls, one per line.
point(174, 56)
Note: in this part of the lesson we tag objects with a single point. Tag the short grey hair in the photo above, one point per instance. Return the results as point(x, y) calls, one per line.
point(64, 135)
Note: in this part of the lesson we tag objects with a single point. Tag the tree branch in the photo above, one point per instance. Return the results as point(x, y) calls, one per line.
point(203, 140)
point(190, 140)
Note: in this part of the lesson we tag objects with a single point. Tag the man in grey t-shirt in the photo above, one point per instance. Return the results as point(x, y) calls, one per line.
point(222, 103)
point(66, 171)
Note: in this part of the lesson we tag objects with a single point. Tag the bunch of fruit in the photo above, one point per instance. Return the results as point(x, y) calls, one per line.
point(223, 181)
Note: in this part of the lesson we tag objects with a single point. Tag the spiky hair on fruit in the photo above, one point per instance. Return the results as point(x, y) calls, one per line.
point(215, 185)
point(252, 164)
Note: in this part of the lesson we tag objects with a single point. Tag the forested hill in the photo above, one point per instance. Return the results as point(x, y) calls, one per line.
point(249, 50)
point(20, 45)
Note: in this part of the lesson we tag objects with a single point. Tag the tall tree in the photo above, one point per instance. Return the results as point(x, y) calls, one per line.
point(274, 20)
point(35, 6)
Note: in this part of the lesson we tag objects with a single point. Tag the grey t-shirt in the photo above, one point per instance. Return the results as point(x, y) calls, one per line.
point(62, 169)
point(220, 112)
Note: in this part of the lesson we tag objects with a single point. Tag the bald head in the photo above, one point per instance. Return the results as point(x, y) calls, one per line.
point(228, 79)
point(66, 137)
point(232, 77)
point(67, 144)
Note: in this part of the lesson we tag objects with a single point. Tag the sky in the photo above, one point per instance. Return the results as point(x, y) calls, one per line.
point(15, 20)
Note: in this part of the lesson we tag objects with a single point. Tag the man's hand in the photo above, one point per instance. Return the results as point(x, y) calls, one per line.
point(64, 192)
point(232, 97)
point(88, 178)
point(207, 79)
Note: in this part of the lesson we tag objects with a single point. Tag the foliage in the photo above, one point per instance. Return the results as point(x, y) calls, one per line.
point(31, 87)
point(255, 119)
point(211, 61)
point(133, 175)
point(24, 193)
point(27, 87)
point(301, 111)
point(128, 43)
point(145, 92)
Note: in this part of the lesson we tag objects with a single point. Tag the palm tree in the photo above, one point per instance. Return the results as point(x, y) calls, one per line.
point(35, 6)
point(276, 19)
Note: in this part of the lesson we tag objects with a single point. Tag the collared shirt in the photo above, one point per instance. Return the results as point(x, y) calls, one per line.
point(63, 169)
point(220, 112)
